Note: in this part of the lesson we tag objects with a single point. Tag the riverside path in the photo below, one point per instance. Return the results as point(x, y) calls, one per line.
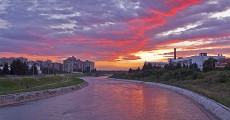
point(106, 99)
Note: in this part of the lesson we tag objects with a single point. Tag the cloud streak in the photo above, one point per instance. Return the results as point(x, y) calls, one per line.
point(111, 30)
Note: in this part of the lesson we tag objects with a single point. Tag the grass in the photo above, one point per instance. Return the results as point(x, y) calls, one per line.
point(17, 85)
point(214, 84)
point(219, 92)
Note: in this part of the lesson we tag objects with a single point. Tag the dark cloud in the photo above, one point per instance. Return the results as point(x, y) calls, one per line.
point(105, 29)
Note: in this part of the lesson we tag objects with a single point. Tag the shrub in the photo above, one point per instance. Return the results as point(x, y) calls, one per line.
point(167, 76)
point(176, 74)
point(183, 73)
point(223, 77)
point(200, 75)
point(195, 75)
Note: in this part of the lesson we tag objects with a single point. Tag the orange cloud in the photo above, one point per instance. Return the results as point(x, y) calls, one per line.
point(131, 57)
point(31, 57)
point(108, 49)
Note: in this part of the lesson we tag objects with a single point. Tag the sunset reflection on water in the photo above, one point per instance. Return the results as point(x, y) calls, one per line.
point(107, 99)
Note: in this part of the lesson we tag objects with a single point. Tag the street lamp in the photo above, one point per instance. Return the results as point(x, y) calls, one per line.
point(33, 69)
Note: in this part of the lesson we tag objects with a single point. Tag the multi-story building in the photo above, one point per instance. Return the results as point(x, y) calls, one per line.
point(47, 64)
point(39, 63)
point(222, 63)
point(89, 64)
point(11, 59)
point(68, 64)
point(22, 59)
point(30, 65)
point(6, 60)
point(157, 64)
point(72, 64)
point(199, 60)
point(57, 66)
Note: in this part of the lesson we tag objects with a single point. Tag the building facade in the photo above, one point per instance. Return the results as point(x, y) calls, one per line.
point(157, 64)
point(57, 66)
point(222, 63)
point(199, 60)
point(10, 60)
point(89, 64)
point(72, 64)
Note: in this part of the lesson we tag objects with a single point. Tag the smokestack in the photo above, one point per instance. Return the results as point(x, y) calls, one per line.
point(174, 53)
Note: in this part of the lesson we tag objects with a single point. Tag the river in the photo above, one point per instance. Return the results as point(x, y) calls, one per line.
point(106, 99)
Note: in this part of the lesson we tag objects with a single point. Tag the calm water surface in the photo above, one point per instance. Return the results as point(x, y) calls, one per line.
point(107, 99)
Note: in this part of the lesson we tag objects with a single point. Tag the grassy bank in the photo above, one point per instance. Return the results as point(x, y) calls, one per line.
point(25, 84)
point(213, 84)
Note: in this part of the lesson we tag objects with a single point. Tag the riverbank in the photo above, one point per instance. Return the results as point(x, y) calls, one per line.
point(214, 84)
point(29, 96)
point(22, 89)
point(218, 110)
point(13, 85)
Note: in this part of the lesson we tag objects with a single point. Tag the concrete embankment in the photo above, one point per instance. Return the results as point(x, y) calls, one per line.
point(29, 96)
point(220, 111)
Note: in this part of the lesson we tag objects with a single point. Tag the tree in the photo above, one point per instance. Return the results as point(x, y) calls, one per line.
point(33, 70)
point(130, 70)
point(18, 68)
point(171, 66)
point(46, 70)
point(150, 66)
point(25, 68)
point(227, 67)
point(87, 70)
point(79, 70)
point(0, 72)
point(147, 67)
point(178, 66)
point(15, 67)
point(185, 66)
point(94, 70)
point(138, 69)
point(193, 66)
point(209, 64)
point(166, 66)
point(5, 70)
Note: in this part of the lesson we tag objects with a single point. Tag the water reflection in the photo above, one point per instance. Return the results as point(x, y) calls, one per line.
point(108, 100)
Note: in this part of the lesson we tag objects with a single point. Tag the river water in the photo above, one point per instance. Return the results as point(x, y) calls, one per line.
point(106, 99)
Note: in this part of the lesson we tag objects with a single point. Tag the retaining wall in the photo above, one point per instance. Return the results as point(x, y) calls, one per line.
point(29, 96)
point(220, 111)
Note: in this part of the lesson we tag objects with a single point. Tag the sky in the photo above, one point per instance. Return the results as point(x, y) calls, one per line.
point(116, 34)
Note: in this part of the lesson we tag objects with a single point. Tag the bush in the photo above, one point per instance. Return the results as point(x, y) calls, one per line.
point(176, 74)
point(167, 76)
point(195, 75)
point(200, 76)
point(224, 77)
point(119, 75)
point(183, 73)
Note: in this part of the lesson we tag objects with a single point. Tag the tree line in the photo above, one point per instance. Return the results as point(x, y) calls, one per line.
point(17, 67)
point(172, 71)
point(208, 65)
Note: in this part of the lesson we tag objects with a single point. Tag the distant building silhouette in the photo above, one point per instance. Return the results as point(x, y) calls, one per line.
point(199, 60)
point(72, 64)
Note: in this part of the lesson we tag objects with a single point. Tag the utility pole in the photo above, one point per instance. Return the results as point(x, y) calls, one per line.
point(48, 69)
point(33, 69)
point(72, 65)
point(53, 68)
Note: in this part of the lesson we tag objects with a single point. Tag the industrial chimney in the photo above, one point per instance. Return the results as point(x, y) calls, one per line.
point(174, 53)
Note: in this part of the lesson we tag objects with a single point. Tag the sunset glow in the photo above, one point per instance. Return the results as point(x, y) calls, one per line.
point(116, 34)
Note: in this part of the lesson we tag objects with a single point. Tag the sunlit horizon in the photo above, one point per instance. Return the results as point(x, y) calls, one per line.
point(116, 35)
